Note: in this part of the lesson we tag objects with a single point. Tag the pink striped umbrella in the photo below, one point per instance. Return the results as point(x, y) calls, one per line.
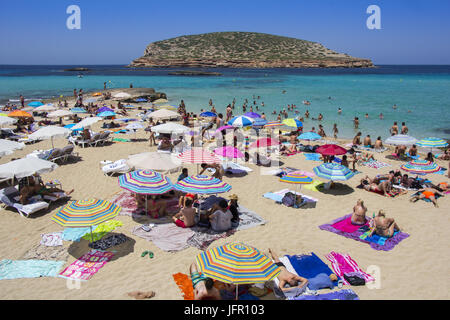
point(198, 155)
point(265, 142)
point(228, 152)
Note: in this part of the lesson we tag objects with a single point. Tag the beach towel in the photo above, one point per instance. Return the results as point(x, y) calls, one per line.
point(309, 266)
point(87, 265)
point(312, 156)
point(42, 252)
point(343, 263)
point(102, 229)
point(344, 294)
point(203, 237)
point(108, 242)
point(374, 164)
point(52, 239)
point(392, 193)
point(375, 238)
point(184, 282)
point(121, 140)
point(167, 237)
point(389, 244)
point(425, 199)
point(346, 225)
point(74, 234)
point(14, 269)
point(278, 197)
point(316, 185)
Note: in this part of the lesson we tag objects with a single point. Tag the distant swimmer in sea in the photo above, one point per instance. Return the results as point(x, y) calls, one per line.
point(306, 114)
point(356, 122)
point(367, 116)
point(284, 91)
point(339, 111)
point(320, 117)
point(381, 116)
point(394, 106)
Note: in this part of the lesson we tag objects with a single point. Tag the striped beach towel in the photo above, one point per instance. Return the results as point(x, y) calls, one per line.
point(343, 263)
point(376, 164)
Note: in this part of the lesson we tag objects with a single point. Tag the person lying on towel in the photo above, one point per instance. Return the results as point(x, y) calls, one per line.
point(428, 193)
point(203, 286)
point(288, 280)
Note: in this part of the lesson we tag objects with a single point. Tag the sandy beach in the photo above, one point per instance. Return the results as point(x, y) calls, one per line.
point(417, 268)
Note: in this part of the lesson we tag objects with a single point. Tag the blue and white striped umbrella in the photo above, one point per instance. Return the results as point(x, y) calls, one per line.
point(241, 121)
point(401, 139)
point(432, 143)
point(333, 171)
point(208, 114)
point(259, 122)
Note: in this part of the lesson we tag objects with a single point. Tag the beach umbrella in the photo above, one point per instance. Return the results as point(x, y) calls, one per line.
point(103, 109)
point(141, 100)
point(163, 114)
point(97, 94)
point(170, 127)
point(253, 115)
point(265, 142)
point(134, 126)
point(105, 114)
point(160, 101)
point(237, 263)
point(420, 167)
point(202, 184)
point(78, 110)
point(333, 172)
point(331, 150)
point(145, 182)
point(208, 114)
point(60, 114)
point(50, 132)
point(86, 213)
point(7, 147)
point(35, 104)
point(241, 121)
point(19, 114)
point(6, 121)
point(309, 136)
point(272, 124)
point(86, 122)
point(296, 178)
point(259, 122)
point(401, 139)
point(432, 143)
point(156, 161)
point(226, 127)
point(25, 167)
point(229, 152)
point(198, 155)
point(44, 108)
point(292, 123)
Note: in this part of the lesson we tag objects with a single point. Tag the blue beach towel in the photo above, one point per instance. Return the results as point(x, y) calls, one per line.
point(376, 238)
point(309, 266)
point(273, 196)
point(10, 269)
point(75, 234)
point(312, 156)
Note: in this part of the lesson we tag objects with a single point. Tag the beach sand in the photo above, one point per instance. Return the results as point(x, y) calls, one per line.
point(417, 268)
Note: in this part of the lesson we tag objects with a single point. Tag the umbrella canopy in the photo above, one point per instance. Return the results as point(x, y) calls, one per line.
point(208, 114)
point(19, 114)
point(259, 122)
point(309, 136)
point(163, 114)
point(296, 178)
point(103, 109)
point(223, 128)
point(134, 126)
point(35, 104)
point(6, 121)
point(198, 155)
point(78, 110)
point(432, 143)
point(333, 171)
point(229, 152)
point(237, 263)
point(106, 114)
point(160, 101)
point(86, 122)
point(8, 147)
point(201, 184)
point(25, 167)
point(153, 161)
point(241, 121)
point(265, 142)
point(331, 150)
point(292, 123)
point(45, 108)
point(86, 213)
point(60, 113)
point(272, 124)
point(421, 167)
point(49, 132)
point(145, 182)
point(170, 127)
point(253, 115)
point(401, 139)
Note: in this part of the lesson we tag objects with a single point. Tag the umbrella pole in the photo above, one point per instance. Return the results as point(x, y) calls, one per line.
point(92, 237)
point(237, 296)
point(53, 147)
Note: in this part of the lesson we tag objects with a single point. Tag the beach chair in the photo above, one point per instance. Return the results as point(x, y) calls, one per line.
point(95, 139)
point(68, 152)
point(118, 167)
point(55, 155)
point(105, 137)
point(8, 197)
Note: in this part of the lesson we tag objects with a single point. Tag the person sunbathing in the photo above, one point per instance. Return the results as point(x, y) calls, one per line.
point(382, 226)
point(288, 280)
point(427, 193)
point(413, 151)
point(156, 207)
point(289, 150)
point(203, 286)
point(186, 217)
point(383, 187)
point(378, 143)
point(445, 155)
point(219, 170)
point(359, 213)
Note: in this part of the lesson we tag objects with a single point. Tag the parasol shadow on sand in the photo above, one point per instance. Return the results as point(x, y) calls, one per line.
point(338, 189)
point(78, 249)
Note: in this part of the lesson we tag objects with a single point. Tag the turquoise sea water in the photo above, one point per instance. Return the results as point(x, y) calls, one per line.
point(422, 90)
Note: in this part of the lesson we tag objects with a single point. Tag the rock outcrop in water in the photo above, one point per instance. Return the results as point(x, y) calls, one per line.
point(244, 50)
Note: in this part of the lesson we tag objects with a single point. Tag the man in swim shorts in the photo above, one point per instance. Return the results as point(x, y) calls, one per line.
point(427, 193)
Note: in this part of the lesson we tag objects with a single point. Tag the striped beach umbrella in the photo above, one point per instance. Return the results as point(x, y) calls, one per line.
point(202, 184)
point(273, 124)
point(229, 152)
point(292, 123)
point(237, 263)
point(241, 121)
point(296, 178)
point(253, 115)
point(86, 213)
point(145, 182)
point(259, 122)
point(401, 139)
point(208, 114)
point(198, 155)
point(333, 172)
point(420, 166)
point(309, 136)
point(432, 143)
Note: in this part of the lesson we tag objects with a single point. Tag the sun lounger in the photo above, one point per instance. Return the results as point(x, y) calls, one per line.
point(104, 137)
point(118, 167)
point(68, 152)
point(55, 155)
point(7, 198)
point(95, 139)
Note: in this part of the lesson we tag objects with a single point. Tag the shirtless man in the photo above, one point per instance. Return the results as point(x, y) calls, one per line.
point(203, 287)
point(378, 143)
point(413, 151)
point(404, 128)
point(287, 278)
point(428, 193)
point(356, 122)
point(394, 129)
point(368, 141)
point(356, 139)
point(359, 213)
point(384, 227)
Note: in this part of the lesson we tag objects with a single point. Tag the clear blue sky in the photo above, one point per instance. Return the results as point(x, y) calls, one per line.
point(117, 31)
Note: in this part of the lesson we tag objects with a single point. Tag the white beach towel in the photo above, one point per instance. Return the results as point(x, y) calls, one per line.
point(52, 239)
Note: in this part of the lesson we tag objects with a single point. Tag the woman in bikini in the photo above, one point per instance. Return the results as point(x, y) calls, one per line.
point(359, 213)
point(156, 208)
point(383, 187)
point(384, 227)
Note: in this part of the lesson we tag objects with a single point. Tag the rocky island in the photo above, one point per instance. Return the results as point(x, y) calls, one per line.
point(243, 50)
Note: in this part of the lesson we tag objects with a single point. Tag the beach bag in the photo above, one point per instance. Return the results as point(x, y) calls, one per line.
point(288, 199)
point(354, 279)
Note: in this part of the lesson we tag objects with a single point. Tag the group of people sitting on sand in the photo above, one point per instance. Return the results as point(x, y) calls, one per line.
point(33, 185)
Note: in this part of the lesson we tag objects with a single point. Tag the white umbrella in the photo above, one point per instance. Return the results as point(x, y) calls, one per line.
point(153, 161)
point(8, 147)
point(163, 114)
point(160, 101)
point(45, 108)
point(86, 122)
point(50, 132)
point(6, 121)
point(401, 139)
point(170, 127)
point(60, 114)
point(25, 167)
point(134, 126)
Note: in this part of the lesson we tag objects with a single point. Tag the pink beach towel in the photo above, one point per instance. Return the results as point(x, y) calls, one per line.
point(346, 225)
point(343, 263)
point(87, 265)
